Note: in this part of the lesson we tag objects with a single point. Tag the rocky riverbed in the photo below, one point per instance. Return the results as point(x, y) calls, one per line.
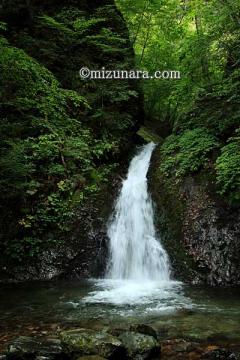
point(137, 342)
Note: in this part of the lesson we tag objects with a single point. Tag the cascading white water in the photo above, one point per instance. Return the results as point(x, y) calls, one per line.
point(138, 268)
point(135, 251)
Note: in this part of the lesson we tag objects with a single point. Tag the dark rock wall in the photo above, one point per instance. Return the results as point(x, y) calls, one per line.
point(200, 232)
point(84, 253)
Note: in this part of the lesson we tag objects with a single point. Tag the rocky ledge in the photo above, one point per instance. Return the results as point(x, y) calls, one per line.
point(139, 342)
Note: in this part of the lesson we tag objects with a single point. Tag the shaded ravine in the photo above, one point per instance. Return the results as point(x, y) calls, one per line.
point(135, 311)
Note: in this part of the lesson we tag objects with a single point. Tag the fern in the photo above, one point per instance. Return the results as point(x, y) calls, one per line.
point(56, 25)
point(81, 25)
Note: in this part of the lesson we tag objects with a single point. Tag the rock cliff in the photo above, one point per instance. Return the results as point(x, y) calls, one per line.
point(199, 230)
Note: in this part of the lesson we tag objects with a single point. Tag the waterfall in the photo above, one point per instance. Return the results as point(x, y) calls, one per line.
point(135, 251)
point(138, 271)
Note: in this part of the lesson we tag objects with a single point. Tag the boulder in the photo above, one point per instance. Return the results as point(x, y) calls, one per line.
point(140, 346)
point(144, 329)
point(90, 342)
point(35, 347)
point(219, 354)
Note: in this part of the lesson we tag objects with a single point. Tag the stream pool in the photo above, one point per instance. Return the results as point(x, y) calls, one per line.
point(176, 310)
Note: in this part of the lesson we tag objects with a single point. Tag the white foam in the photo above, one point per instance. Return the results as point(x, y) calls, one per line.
point(161, 296)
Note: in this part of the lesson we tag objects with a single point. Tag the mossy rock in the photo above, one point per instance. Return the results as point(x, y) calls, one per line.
point(26, 347)
point(90, 342)
point(144, 329)
point(149, 136)
point(140, 346)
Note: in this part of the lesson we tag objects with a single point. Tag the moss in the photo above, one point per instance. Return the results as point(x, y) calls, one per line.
point(88, 342)
point(148, 135)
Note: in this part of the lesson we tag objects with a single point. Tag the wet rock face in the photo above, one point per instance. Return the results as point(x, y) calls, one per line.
point(211, 233)
point(199, 230)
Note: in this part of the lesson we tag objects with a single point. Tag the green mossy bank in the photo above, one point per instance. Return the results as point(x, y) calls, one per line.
point(63, 139)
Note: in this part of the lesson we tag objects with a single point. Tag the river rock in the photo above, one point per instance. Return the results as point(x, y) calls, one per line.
point(144, 329)
point(90, 342)
point(219, 354)
point(34, 347)
point(178, 348)
point(140, 346)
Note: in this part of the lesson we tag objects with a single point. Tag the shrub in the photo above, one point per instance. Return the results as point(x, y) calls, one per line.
point(228, 170)
point(187, 153)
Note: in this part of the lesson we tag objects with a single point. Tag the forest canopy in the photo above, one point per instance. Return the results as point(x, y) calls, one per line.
point(201, 112)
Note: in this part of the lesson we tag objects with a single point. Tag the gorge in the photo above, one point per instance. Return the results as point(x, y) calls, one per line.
point(119, 199)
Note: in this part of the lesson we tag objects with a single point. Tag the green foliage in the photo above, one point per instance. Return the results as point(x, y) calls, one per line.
point(75, 28)
point(218, 110)
point(81, 25)
point(201, 40)
point(108, 41)
point(187, 153)
point(3, 26)
point(56, 25)
point(47, 157)
point(228, 170)
point(60, 136)
point(29, 247)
